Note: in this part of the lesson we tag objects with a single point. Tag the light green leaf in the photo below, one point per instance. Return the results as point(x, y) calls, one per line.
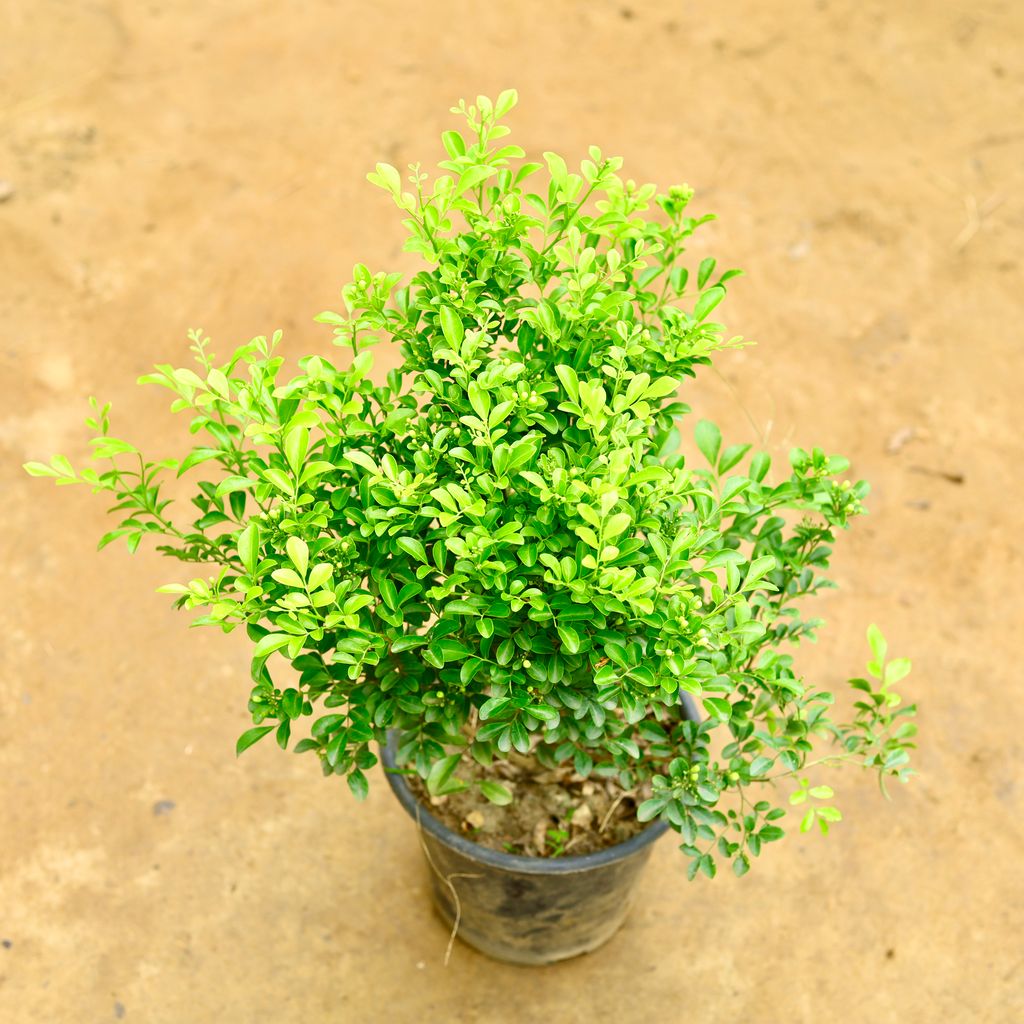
point(298, 552)
point(556, 168)
point(615, 524)
point(897, 669)
point(39, 469)
point(506, 100)
point(877, 642)
point(660, 388)
point(709, 440)
point(270, 643)
point(234, 483)
point(279, 479)
point(759, 466)
point(718, 707)
point(451, 325)
point(249, 547)
point(387, 177)
point(412, 547)
point(359, 458)
point(453, 143)
point(707, 302)
point(706, 269)
point(571, 383)
point(296, 442)
point(319, 575)
point(218, 382)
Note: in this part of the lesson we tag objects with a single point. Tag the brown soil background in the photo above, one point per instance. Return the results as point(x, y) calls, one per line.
point(175, 164)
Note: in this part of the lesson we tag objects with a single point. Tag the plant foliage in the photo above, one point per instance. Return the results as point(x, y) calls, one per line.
point(501, 546)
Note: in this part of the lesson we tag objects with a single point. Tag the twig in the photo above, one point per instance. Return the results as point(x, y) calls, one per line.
point(447, 879)
point(976, 215)
point(611, 810)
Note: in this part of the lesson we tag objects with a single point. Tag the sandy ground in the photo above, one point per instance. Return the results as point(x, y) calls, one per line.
point(180, 164)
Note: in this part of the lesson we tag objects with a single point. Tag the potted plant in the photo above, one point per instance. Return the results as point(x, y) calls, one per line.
point(567, 630)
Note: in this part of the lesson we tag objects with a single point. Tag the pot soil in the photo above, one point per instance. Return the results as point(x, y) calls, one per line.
point(524, 909)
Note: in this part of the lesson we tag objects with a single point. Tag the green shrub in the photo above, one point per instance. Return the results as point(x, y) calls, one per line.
point(502, 546)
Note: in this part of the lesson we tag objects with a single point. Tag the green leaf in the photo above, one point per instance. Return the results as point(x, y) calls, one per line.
point(249, 547)
point(650, 809)
point(709, 440)
point(506, 100)
point(284, 731)
point(479, 400)
point(197, 456)
point(453, 143)
point(556, 168)
point(451, 325)
point(279, 479)
point(897, 669)
point(473, 176)
point(312, 470)
point(718, 707)
point(759, 466)
point(495, 792)
point(288, 578)
point(707, 302)
point(172, 588)
point(571, 383)
point(250, 736)
point(298, 552)
point(387, 177)
point(269, 643)
point(439, 780)
point(877, 643)
point(296, 442)
point(234, 483)
point(570, 639)
point(218, 382)
point(661, 388)
point(63, 467)
point(616, 524)
point(389, 593)
point(732, 456)
point(319, 575)
point(358, 784)
point(706, 269)
point(407, 643)
point(359, 458)
point(413, 548)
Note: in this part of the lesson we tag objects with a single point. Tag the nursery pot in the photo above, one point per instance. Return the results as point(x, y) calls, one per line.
point(527, 910)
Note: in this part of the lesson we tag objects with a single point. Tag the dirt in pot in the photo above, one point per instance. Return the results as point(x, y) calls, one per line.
point(553, 813)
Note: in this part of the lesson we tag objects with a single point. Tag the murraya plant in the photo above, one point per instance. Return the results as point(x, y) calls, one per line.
point(503, 546)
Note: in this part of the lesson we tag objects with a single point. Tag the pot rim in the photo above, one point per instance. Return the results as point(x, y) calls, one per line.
point(516, 861)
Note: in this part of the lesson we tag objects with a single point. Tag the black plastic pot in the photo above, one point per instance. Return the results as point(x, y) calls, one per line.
point(527, 910)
